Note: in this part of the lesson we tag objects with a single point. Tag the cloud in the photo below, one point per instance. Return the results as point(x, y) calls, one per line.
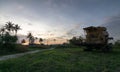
point(1, 25)
point(113, 20)
point(71, 32)
point(30, 24)
point(113, 26)
point(20, 7)
point(76, 30)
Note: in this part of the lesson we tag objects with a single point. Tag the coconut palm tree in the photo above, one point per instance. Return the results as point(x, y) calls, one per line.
point(40, 40)
point(30, 37)
point(9, 26)
point(16, 28)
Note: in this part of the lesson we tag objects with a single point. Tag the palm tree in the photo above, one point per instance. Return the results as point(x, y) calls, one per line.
point(30, 37)
point(9, 26)
point(16, 28)
point(40, 40)
point(23, 41)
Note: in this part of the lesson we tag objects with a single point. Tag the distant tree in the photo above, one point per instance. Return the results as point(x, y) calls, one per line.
point(36, 38)
point(16, 28)
point(73, 40)
point(23, 41)
point(40, 40)
point(31, 38)
point(76, 40)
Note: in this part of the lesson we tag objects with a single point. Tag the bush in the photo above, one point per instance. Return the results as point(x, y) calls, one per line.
point(8, 42)
point(39, 46)
point(76, 41)
point(21, 48)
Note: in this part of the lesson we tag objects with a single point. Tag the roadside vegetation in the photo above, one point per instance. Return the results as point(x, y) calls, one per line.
point(65, 59)
point(9, 38)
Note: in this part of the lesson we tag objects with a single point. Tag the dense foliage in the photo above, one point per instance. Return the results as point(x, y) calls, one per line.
point(7, 41)
point(76, 40)
point(8, 36)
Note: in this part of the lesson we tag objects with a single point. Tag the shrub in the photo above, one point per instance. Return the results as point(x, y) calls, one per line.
point(21, 48)
point(8, 42)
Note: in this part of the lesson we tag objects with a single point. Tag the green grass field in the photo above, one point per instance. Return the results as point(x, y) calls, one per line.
point(65, 60)
point(21, 48)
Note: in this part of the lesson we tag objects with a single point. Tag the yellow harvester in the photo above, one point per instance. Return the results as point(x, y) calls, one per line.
point(97, 38)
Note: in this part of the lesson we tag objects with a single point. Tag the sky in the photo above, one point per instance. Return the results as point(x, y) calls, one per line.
point(57, 18)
